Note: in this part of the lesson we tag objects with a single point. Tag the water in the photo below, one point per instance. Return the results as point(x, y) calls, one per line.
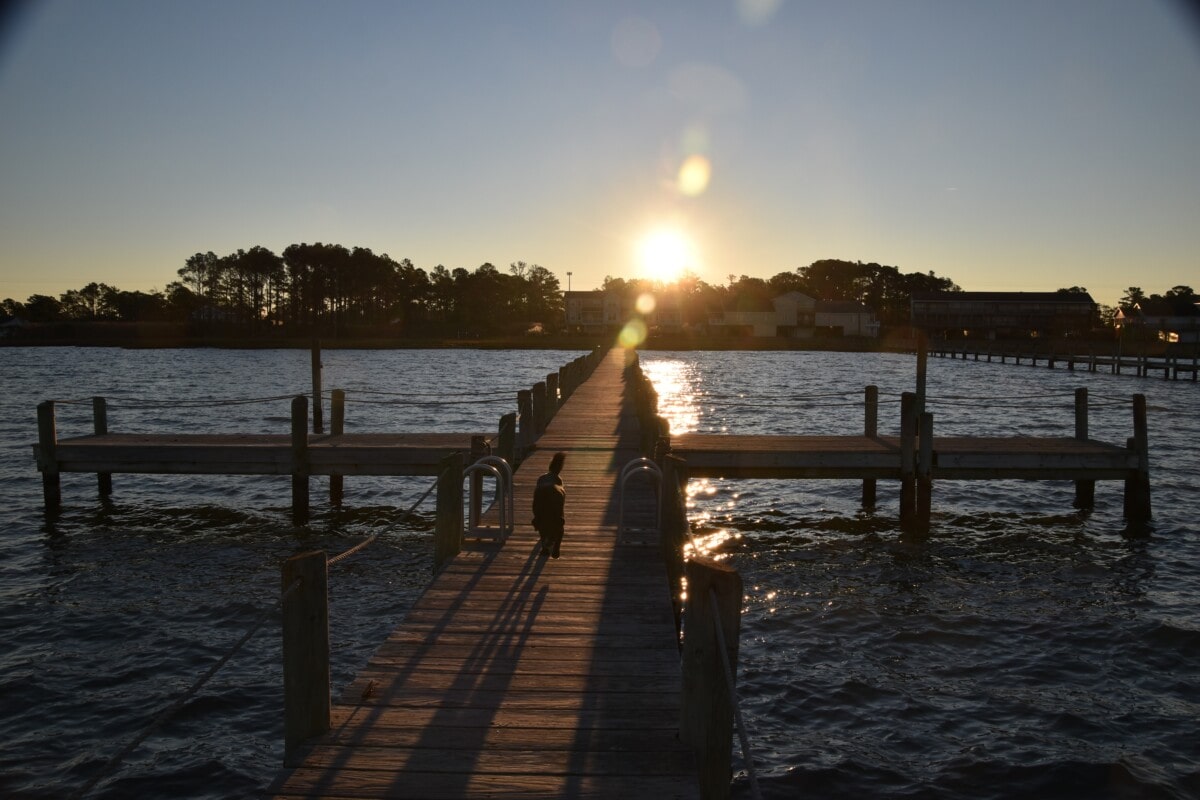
point(1024, 650)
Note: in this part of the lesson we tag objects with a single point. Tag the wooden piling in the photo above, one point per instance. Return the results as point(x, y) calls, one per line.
point(870, 429)
point(300, 459)
point(908, 475)
point(539, 408)
point(706, 706)
point(552, 399)
point(306, 702)
point(337, 427)
point(507, 438)
point(479, 449)
point(318, 420)
point(100, 426)
point(674, 528)
point(528, 428)
point(925, 472)
point(922, 370)
point(1085, 491)
point(1137, 486)
point(48, 456)
point(448, 530)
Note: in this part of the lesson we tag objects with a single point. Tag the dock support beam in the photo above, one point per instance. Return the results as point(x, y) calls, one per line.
point(1085, 491)
point(870, 430)
point(337, 426)
point(448, 531)
point(100, 426)
point(706, 708)
point(300, 459)
point(48, 456)
point(306, 701)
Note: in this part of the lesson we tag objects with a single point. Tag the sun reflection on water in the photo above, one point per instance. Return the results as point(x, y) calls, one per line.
point(678, 395)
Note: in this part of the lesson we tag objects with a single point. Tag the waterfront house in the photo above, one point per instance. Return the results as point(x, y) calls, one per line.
point(1169, 319)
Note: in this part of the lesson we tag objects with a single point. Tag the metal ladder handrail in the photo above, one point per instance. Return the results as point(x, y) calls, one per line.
point(503, 497)
point(507, 471)
point(635, 467)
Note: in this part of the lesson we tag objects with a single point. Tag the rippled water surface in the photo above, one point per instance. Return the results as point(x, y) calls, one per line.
point(1024, 650)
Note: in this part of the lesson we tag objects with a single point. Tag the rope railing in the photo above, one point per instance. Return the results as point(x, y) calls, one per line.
point(735, 701)
point(366, 542)
point(170, 711)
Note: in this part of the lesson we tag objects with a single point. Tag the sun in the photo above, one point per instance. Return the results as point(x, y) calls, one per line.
point(665, 254)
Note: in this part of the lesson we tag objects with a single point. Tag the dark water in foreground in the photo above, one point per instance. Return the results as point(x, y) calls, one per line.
point(1025, 650)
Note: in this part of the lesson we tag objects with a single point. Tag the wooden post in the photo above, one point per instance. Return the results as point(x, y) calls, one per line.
point(870, 430)
point(337, 427)
point(448, 532)
point(925, 472)
point(318, 420)
point(908, 473)
point(706, 706)
point(479, 449)
point(674, 528)
point(507, 438)
point(922, 368)
point(305, 649)
point(564, 383)
point(1137, 486)
point(100, 426)
point(539, 407)
point(1085, 491)
point(525, 420)
point(552, 401)
point(300, 459)
point(48, 456)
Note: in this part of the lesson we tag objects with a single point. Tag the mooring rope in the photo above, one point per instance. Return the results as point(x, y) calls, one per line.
point(172, 709)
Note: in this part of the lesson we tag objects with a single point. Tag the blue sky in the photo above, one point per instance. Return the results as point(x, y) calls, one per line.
point(1006, 145)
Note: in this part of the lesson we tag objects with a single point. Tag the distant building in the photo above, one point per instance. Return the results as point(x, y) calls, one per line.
point(846, 318)
point(593, 311)
point(797, 316)
point(992, 315)
point(1172, 319)
point(598, 311)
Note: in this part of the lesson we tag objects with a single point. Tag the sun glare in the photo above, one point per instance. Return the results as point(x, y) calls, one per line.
point(664, 255)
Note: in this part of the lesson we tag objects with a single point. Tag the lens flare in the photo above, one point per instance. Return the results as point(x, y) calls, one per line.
point(645, 303)
point(694, 176)
point(632, 335)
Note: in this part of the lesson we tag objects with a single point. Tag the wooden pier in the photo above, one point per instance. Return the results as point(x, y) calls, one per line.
point(1171, 366)
point(519, 675)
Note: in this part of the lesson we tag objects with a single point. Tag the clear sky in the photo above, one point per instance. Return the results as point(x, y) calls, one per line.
point(1017, 145)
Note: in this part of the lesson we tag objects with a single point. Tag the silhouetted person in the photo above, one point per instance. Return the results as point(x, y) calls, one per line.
point(549, 500)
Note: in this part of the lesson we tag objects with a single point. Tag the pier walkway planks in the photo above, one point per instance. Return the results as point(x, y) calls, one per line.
point(517, 675)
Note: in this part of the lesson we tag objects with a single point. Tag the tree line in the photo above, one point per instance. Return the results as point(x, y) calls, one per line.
point(332, 288)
